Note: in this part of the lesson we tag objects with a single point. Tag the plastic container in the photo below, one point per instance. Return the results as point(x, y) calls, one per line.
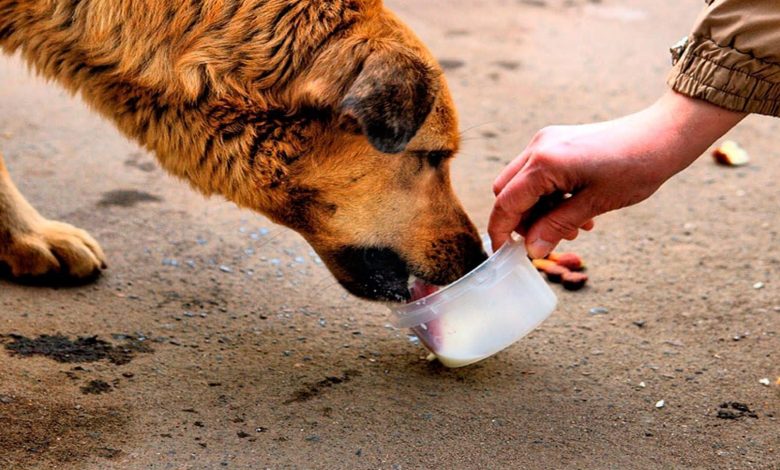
point(487, 310)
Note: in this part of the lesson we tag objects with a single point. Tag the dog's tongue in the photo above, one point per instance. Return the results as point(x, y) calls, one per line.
point(420, 289)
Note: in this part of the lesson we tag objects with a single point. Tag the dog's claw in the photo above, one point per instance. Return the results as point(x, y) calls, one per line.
point(53, 249)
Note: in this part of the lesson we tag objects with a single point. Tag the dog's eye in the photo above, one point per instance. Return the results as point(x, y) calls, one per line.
point(433, 157)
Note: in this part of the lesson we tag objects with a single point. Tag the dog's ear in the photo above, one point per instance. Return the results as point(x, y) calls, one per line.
point(391, 97)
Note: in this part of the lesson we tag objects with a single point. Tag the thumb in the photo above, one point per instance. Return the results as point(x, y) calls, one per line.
point(563, 222)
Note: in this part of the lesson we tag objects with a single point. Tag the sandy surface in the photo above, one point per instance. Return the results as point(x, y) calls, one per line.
point(272, 365)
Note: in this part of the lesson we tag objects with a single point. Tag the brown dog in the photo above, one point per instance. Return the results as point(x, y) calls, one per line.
point(329, 117)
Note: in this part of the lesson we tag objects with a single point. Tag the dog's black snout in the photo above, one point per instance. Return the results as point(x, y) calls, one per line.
point(375, 273)
point(473, 253)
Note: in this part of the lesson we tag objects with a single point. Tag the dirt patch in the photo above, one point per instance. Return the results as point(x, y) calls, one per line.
point(735, 410)
point(96, 387)
point(306, 394)
point(82, 349)
point(39, 435)
point(449, 65)
point(126, 198)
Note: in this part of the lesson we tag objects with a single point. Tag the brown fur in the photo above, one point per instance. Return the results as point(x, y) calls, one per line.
point(329, 117)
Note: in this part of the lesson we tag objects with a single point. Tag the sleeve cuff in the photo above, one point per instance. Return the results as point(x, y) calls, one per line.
point(728, 78)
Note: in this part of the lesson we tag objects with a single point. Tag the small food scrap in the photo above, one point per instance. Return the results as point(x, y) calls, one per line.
point(764, 382)
point(570, 261)
point(573, 280)
point(660, 404)
point(563, 268)
point(551, 269)
point(731, 154)
point(777, 382)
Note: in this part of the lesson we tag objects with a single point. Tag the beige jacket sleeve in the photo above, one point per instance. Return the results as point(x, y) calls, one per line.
point(733, 57)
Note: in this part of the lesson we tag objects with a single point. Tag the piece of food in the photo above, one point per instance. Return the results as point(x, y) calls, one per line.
point(731, 154)
point(551, 269)
point(571, 261)
point(572, 280)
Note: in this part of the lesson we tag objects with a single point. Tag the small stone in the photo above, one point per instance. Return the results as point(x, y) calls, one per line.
point(640, 323)
point(300, 259)
point(764, 381)
point(225, 269)
point(313, 438)
point(598, 311)
point(758, 285)
point(5, 399)
point(642, 385)
point(263, 231)
point(660, 404)
point(242, 434)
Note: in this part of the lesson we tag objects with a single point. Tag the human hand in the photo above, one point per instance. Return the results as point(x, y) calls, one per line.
point(603, 166)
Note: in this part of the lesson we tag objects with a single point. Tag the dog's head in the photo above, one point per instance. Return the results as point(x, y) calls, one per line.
point(374, 196)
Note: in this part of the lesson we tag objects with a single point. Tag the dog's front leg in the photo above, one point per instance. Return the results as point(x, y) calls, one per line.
point(34, 247)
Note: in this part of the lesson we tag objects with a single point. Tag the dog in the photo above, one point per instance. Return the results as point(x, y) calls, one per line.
point(328, 117)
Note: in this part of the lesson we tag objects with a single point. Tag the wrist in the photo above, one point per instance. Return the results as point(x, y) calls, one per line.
point(686, 127)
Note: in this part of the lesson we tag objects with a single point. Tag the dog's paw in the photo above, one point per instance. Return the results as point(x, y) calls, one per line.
point(53, 249)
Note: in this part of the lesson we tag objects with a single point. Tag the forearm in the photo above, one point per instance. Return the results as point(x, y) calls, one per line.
point(681, 129)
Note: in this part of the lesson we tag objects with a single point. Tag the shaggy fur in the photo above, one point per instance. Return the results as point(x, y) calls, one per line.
point(329, 117)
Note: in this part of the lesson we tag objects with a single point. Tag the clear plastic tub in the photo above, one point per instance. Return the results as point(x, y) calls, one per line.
point(487, 310)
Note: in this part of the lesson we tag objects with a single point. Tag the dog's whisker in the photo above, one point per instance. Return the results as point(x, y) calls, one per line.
point(476, 126)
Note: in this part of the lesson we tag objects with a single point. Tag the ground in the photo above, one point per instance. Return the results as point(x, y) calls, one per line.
point(227, 345)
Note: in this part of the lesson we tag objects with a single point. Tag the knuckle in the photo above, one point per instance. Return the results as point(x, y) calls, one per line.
point(504, 202)
point(563, 227)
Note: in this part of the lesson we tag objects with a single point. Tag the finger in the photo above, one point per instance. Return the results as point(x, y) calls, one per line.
point(514, 167)
point(501, 226)
point(563, 222)
point(517, 197)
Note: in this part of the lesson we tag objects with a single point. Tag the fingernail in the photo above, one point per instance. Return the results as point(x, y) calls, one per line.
point(539, 248)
